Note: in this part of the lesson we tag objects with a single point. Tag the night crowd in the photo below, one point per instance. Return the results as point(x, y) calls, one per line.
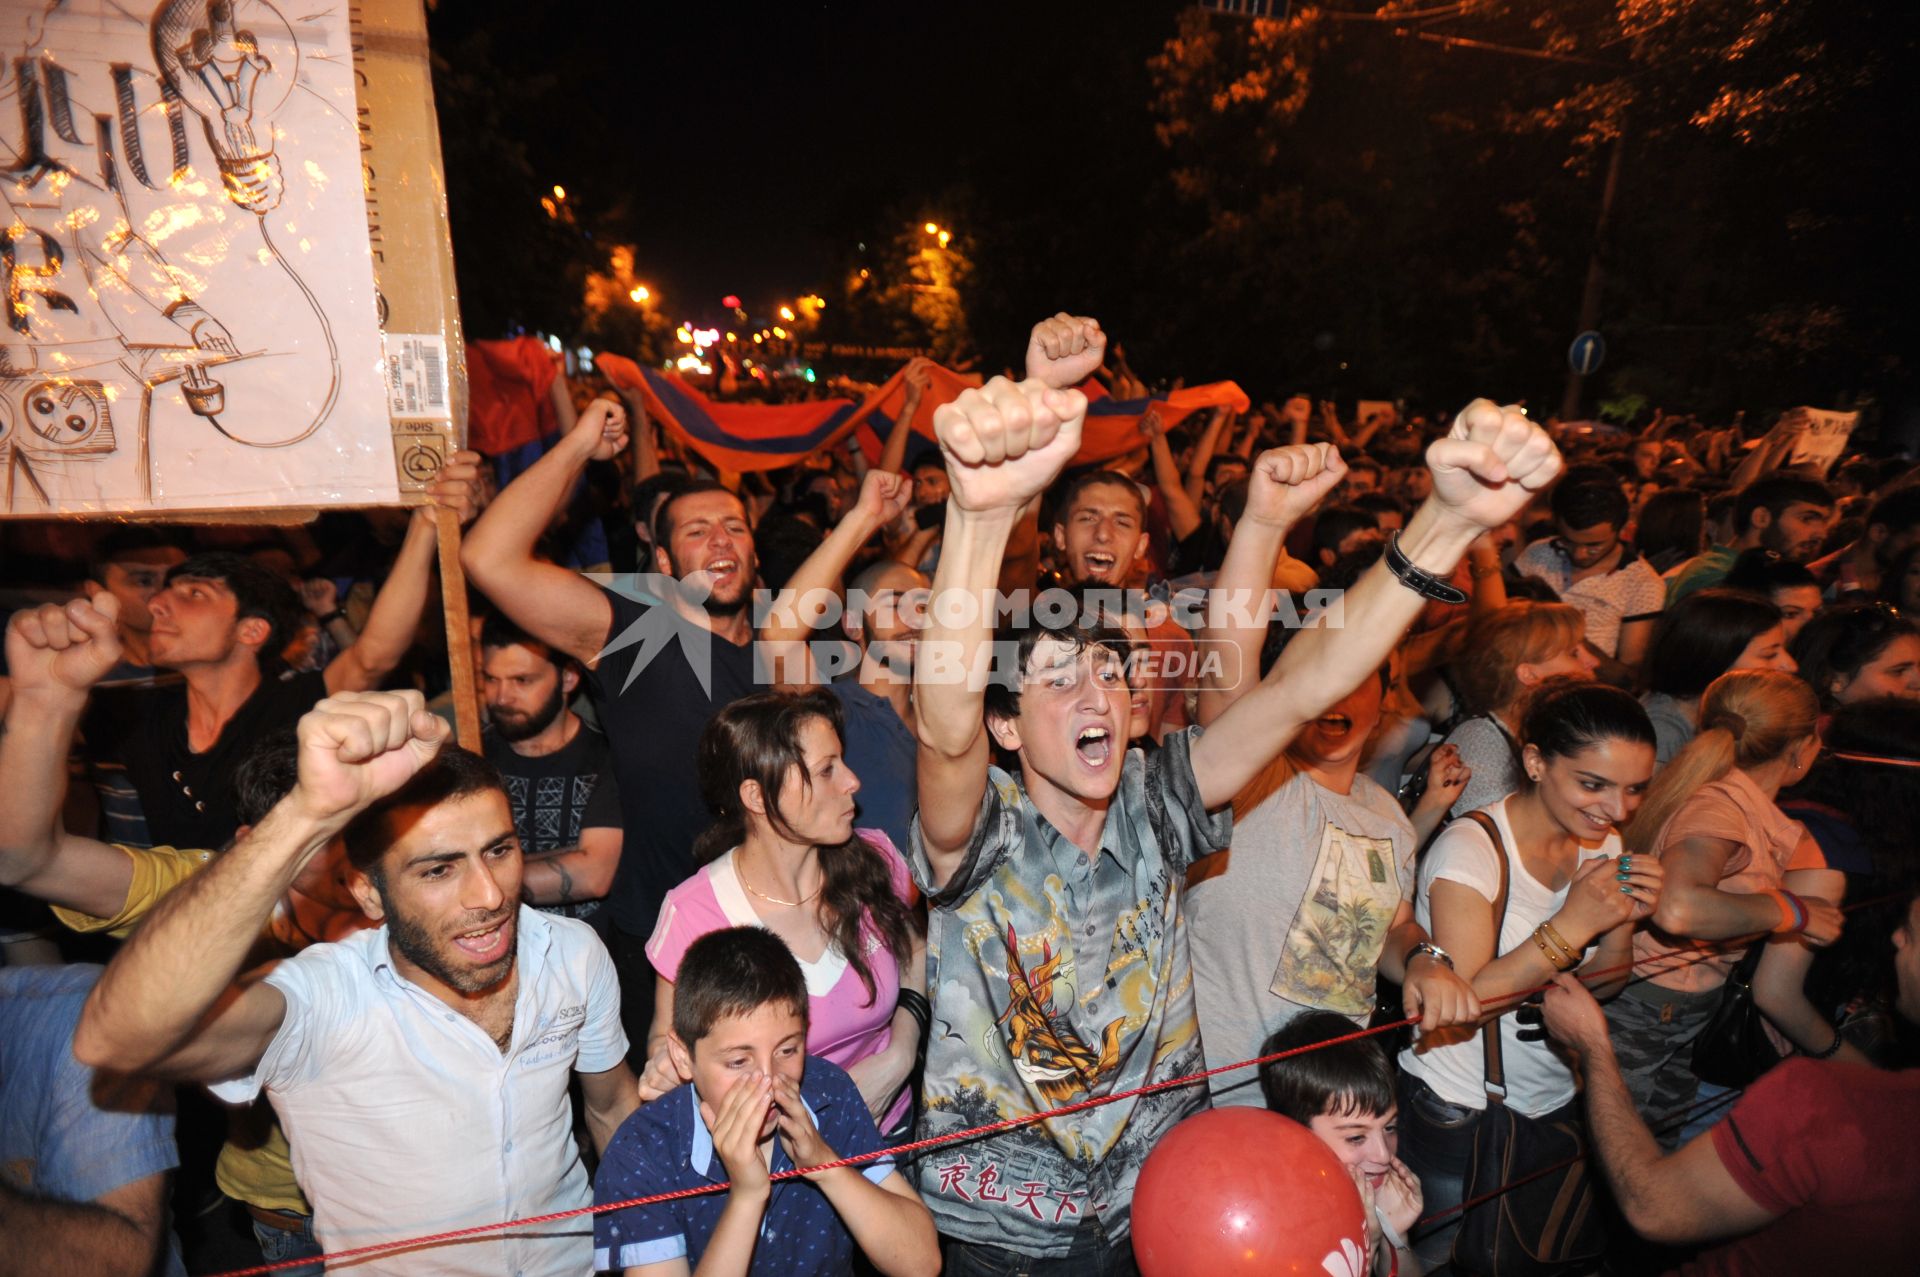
point(871, 800)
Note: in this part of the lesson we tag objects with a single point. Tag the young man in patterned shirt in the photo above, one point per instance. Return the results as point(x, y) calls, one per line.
point(1057, 959)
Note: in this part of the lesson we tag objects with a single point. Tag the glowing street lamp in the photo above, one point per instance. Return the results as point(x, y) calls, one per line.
point(933, 228)
point(786, 313)
point(640, 294)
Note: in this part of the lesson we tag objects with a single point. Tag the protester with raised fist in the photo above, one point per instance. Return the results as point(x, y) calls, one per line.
point(1057, 933)
point(456, 1026)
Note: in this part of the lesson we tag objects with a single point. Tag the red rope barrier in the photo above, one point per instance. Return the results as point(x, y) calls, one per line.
point(1505, 1003)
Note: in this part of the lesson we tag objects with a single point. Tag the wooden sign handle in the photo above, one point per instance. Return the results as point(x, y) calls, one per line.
point(453, 594)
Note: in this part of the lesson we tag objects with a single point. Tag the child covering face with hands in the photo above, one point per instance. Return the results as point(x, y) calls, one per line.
point(757, 1106)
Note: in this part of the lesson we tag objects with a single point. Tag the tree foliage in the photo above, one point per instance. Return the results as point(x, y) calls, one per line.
point(1402, 197)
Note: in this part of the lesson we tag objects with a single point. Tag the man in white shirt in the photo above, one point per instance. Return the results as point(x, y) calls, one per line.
point(1590, 566)
point(420, 1069)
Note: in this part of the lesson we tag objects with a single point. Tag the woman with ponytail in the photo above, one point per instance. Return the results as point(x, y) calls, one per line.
point(1736, 867)
point(783, 854)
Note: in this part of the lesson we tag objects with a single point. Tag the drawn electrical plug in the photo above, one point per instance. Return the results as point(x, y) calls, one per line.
point(205, 396)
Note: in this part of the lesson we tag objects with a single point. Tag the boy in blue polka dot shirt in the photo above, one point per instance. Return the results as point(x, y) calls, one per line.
point(757, 1105)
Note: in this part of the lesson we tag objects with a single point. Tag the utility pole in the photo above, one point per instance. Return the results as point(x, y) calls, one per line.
point(1596, 273)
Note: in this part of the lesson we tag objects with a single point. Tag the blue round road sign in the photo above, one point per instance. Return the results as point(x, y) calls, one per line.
point(1588, 349)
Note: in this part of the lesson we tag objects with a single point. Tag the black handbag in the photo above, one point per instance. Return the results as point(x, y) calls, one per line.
point(1733, 1050)
point(1545, 1219)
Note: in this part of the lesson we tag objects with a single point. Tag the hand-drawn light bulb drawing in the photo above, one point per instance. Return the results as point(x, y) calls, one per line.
point(234, 78)
point(234, 63)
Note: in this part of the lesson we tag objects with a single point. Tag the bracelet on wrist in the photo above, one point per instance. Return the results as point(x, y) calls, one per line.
point(338, 614)
point(1833, 1048)
point(1431, 950)
point(1560, 941)
point(1561, 958)
point(1419, 580)
point(1793, 913)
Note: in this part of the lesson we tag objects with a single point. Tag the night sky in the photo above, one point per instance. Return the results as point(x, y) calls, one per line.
point(751, 142)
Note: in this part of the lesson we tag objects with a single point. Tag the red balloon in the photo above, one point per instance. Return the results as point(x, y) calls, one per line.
point(1245, 1191)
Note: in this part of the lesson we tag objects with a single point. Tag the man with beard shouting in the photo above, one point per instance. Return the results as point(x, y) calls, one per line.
point(558, 772)
point(657, 670)
point(420, 1069)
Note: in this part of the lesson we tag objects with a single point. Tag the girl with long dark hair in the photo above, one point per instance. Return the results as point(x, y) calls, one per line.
point(783, 854)
point(1572, 899)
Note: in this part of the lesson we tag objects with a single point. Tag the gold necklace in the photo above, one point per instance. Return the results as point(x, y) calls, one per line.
point(772, 900)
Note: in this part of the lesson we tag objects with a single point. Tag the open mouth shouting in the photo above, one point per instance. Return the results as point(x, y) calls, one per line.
point(1334, 727)
point(487, 945)
point(1094, 745)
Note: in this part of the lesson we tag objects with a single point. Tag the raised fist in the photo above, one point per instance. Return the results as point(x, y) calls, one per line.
point(1004, 443)
point(1064, 351)
point(1287, 483)
point(320, 595)
point(358, 747)
point(61, 651)
point(1491, 464)
point(883, 497)
point(602, 429)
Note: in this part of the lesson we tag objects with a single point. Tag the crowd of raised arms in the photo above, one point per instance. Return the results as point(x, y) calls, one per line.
point(878, 799)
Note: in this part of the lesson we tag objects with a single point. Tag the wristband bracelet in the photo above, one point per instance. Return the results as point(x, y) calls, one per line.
point(338, 614)
point(1793, 913)
point(915, 1004)
point(1420, 581)
point(1558, 960)
point(1573, 954)
point(1433, 951)
point(1833, 1048)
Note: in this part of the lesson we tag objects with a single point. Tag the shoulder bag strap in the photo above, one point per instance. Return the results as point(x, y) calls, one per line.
point(1490, 1031)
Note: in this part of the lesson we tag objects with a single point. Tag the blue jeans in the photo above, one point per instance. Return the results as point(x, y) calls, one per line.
point(278, 1243)
point(1092, 1256)
point(1436, 1143)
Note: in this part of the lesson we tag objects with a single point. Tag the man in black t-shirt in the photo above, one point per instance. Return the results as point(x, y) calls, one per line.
point(662, 655)
point(558, 772)
point(221, 623)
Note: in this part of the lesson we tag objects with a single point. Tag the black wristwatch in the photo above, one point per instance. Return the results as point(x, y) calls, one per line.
point(1421, 582)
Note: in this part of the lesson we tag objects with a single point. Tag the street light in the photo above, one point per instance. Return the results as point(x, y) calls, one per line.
point(786, 313)
point(933, 228)
point(640, 293)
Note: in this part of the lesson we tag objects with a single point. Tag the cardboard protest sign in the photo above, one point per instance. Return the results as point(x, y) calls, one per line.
point(194, 324)
point(1825, 438)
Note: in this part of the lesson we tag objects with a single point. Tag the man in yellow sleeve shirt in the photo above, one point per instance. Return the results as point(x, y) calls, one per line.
point(56, 654)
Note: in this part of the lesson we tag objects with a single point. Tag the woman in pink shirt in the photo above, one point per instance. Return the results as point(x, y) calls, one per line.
point(1736, 866)
point(784, 855)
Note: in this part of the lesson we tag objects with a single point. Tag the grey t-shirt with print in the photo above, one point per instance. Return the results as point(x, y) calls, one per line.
point(1294, 915)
